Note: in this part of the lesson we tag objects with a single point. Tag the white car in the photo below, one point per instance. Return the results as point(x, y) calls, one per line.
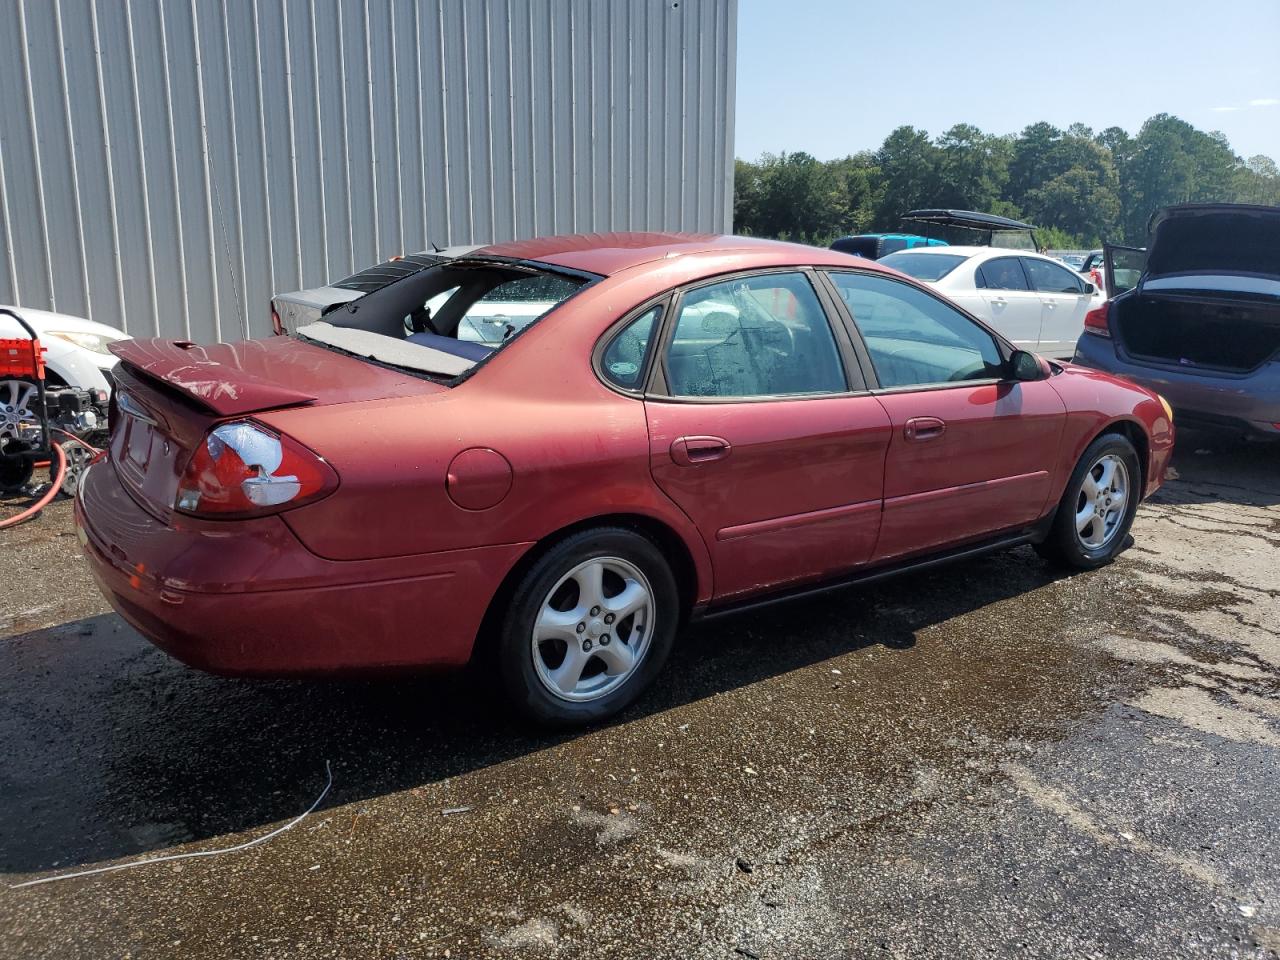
point(1031, 299)
point(75, 349)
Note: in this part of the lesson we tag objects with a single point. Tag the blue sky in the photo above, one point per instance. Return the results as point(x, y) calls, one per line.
point(832, 77)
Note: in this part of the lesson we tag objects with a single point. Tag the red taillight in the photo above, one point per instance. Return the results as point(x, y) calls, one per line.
point(276, 326)
point(242, 469)
point(1097, 321)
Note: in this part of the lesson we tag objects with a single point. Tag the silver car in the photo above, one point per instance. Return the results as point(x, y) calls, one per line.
point(1196, 316)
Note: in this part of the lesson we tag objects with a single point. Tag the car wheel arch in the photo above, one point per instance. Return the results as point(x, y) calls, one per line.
point(1132, 431)
point(684, 567)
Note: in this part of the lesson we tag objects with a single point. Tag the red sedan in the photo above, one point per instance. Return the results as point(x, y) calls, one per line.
point(558, 450)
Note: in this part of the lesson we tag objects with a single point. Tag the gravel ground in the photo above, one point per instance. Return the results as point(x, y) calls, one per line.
point(985, 760)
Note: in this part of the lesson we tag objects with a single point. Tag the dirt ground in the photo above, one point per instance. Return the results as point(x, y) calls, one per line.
point(989, 759)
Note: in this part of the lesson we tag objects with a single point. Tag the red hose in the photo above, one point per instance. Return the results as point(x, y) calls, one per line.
point(49, 494)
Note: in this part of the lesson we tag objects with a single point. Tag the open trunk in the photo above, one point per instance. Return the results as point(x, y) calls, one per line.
point(1208, 332)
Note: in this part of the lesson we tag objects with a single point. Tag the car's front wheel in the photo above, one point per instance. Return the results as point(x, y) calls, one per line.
point(589, 627)
point(1097, 507)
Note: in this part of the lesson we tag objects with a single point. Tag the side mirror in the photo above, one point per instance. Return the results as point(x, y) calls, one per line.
point(1025, 366)
point(1089, 289)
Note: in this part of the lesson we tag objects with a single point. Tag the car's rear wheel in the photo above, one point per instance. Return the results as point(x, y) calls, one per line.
point(589, 627)
point(1097, 507)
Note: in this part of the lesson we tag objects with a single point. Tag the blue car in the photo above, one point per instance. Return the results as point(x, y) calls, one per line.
point(873, 246)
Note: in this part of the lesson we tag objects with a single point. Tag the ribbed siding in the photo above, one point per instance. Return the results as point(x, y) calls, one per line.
point(166, 165)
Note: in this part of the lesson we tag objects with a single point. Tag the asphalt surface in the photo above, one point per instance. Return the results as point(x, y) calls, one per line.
point(990, 759)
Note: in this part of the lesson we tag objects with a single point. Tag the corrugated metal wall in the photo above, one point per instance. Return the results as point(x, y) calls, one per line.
point(165, 165)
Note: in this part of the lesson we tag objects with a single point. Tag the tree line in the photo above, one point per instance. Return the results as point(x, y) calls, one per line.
point(1078, 187)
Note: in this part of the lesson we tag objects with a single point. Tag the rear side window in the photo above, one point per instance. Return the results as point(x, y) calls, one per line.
point(1002, 273)
point(758, 336)
point(1048, 277)
point(623, 360)
point(924, 266)
point(915, 339)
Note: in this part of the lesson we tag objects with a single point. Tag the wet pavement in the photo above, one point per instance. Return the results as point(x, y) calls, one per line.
point(990, 759)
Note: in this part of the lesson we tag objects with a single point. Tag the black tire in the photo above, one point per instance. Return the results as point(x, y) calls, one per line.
point(1063, 546)
point(515, 653)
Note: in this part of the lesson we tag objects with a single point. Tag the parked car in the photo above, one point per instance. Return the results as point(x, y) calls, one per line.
point(1201, 323)
point(293, 309)
point(1033, 300)
point(75, 355)
point(873, 246)
point(699, 426)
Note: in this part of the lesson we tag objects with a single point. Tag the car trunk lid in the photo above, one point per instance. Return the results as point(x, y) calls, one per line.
point(1194, 242)
point(170, 393)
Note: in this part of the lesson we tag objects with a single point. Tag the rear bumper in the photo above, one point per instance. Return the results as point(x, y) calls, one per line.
point(1247, 403)
point(248, 599)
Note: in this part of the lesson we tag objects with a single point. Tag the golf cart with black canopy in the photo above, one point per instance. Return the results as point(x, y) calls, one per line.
point(960, 226)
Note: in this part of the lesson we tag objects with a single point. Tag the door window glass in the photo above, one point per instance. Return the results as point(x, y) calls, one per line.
point(755, 336)
point(1048, 277)
point(1002, 273)
point(623, 360)
point(915, 339)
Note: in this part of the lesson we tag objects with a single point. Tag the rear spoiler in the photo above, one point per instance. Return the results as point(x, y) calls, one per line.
point(210, 376)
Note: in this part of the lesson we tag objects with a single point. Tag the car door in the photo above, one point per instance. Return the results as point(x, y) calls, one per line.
point(762, 430)
point(1123, 267)
point(1065, 298)
point(972, 452)
point(1007, 301)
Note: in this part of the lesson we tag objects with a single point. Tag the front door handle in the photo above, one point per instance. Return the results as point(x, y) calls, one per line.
point(691, 451)
point(919, 429)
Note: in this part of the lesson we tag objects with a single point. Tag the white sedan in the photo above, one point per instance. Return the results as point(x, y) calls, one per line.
point(1033, 300)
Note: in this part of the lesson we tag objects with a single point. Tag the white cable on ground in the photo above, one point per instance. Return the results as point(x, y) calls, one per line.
point(183, 856)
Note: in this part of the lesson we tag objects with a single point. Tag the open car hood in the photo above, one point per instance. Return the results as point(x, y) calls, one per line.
point(1214, 239)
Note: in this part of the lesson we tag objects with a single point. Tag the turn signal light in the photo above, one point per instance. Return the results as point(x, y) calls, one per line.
point(242, 469)
point(1097, 321)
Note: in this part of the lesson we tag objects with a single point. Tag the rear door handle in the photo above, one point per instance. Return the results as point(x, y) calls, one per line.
point(691, 451)
point(919, 429)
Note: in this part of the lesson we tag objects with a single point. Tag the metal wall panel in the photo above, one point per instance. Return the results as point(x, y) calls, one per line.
point(166, 165)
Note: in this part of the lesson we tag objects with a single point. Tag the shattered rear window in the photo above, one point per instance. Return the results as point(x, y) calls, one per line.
point(389, 271)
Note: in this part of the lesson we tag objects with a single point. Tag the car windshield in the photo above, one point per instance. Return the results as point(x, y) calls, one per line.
point(446, 319)
point(923, 266)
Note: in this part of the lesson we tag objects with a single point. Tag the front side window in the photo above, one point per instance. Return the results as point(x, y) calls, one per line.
point(1002, 273)
point(622, 362)
point(766, 335)
point(915, 339)
point(1048, 277)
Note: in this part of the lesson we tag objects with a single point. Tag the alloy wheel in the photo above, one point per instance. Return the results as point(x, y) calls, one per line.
point(1102, 501)
point(593, 629)
point(17, 397)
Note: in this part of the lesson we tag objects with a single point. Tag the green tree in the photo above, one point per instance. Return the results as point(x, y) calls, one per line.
point(1077, 186)
point(790, 196)
point(1173, 162)
point(909, 166)
point(973, 168)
